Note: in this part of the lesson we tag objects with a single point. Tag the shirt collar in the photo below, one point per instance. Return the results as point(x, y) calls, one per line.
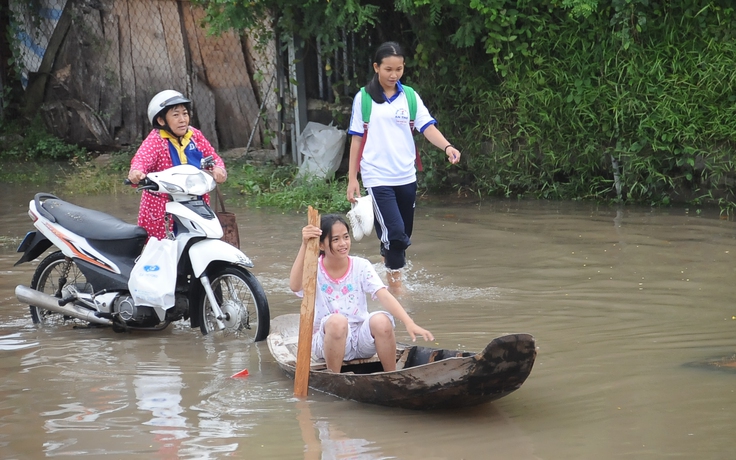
point(399, 90)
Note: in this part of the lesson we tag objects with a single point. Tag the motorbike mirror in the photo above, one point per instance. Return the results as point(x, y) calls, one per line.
point(208, 162)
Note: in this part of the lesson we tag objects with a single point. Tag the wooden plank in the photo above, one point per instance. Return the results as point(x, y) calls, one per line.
point(227, 75)
point(88, 73)
point(149, 57)
point(132, 110)
point(171, 23)
point(36, 89)
point(262, 59)
point(306, 315)
point(203, 99)
point(111, 95)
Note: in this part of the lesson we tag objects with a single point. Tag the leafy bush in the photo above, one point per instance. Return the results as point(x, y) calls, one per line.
point(104, 173)
point(624, 100)
point(278, 186)
point(632, 93)
point(32, 142)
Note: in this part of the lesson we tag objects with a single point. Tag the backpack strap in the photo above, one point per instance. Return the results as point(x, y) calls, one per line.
point(411, 98)
point(366, 104)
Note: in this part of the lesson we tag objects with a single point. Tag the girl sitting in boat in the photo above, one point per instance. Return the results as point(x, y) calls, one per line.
point(343, 328)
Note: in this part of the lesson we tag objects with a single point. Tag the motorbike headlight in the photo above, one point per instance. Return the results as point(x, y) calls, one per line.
point(172, 188)
point(199, 184)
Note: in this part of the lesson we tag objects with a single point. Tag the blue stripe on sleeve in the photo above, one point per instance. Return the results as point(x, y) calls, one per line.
point(433, 122)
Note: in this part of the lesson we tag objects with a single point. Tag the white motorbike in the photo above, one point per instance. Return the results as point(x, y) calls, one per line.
point(86, 279)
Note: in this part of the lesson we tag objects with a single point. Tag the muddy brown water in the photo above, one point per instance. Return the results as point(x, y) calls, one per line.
point(627, 306)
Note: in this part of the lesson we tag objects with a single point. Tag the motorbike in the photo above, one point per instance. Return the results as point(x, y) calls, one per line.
point(86, 280)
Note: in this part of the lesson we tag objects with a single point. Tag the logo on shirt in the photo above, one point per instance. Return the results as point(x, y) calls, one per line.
point(401, 117)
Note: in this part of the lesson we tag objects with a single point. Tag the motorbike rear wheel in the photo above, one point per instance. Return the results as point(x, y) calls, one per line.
point(52, 275)
point(242, 301)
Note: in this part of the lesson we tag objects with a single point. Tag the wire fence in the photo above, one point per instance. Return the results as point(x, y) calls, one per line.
point(93, 66)
point(102, 61)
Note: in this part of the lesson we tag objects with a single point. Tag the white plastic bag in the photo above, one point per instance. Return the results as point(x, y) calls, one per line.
point(153, 277)
point(361, 217)
point(322, 148)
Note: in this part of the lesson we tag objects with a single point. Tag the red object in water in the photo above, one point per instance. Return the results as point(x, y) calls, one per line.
point(243, 373)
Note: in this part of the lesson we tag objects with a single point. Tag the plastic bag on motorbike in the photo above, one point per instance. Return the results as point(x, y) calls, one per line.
point(153, 277)
point(322, 147)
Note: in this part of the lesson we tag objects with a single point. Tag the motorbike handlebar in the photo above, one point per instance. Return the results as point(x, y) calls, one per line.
point(144, 184)
point(208, 163)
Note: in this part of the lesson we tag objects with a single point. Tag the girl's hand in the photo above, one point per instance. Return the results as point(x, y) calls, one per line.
point(415, 330)
point(453, 154)
point(353, 190)
point(309, 232)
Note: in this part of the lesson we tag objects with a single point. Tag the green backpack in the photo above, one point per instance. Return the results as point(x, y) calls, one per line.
point(366, 107)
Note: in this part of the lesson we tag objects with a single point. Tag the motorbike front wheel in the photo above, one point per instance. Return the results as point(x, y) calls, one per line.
point(53, 274)
point(243, 303)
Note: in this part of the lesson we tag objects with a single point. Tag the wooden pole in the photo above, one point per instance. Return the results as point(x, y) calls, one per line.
point(306, 316)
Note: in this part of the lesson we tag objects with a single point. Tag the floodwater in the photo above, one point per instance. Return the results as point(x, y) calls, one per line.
point(628, 307)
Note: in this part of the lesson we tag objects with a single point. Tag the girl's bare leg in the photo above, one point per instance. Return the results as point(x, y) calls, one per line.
point(336, 334)
point(383, 333)
point(393, 278)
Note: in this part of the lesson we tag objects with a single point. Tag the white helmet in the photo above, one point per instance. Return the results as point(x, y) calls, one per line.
point(164, 99)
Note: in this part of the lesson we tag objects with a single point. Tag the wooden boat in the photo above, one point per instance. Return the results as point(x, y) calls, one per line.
point(425, 378)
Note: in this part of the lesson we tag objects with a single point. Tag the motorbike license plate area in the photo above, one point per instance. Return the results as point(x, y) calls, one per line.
point(200, 208)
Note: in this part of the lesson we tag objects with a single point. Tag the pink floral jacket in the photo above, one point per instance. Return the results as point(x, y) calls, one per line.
point(153, 156)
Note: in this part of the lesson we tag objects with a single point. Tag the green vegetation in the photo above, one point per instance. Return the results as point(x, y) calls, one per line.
point(104, 173)
point(628, 101)
point(642, 90)
point(267, 185)
point(24, 141)
point(620, 100)
point(32, 156)
point(277, 186)
point(28, 149)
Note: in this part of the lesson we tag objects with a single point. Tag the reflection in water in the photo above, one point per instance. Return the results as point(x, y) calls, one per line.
point(323, 441)
point(347, 430)
point(619, 300)
point(157, 390)
point(336, 444)
point(15, 342)
point(100, 396)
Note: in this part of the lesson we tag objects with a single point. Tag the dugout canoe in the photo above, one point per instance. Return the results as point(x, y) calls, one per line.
point(425, 378)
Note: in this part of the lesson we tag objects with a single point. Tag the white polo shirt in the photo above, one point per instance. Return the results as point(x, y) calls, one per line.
point(389, 153)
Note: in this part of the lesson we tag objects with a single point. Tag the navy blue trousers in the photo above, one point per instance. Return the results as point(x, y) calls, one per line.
point(393, 208)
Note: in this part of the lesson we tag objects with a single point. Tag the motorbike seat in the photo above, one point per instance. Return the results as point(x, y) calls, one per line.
point(91, 224)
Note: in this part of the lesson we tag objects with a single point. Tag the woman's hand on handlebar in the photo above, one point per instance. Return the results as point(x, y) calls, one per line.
point(136, 176)
point(219, 174)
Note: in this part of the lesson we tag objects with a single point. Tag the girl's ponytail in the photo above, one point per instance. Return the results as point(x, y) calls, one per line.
point(374, 89)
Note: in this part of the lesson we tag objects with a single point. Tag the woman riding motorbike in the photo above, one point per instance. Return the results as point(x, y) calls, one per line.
point(171, 142)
